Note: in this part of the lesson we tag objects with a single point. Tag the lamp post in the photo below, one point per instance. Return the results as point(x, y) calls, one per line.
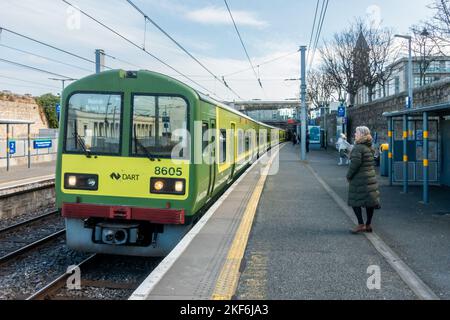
point(409, 104)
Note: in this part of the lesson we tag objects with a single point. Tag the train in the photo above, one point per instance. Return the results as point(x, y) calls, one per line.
point(140, 157)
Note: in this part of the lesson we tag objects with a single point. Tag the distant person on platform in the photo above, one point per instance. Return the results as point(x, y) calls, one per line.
point(344, 149)
point(363, 186)
point(294, 139)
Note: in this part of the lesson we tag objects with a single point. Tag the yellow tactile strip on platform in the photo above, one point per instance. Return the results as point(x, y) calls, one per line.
point(229, 276)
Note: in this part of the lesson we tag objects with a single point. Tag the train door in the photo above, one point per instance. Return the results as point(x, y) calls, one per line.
point(212, 154)
point(233, 148)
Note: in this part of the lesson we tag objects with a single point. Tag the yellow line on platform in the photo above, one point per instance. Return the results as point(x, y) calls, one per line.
point(227, 282)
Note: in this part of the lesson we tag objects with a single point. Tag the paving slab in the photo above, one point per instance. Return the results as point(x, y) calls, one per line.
point(301, 248)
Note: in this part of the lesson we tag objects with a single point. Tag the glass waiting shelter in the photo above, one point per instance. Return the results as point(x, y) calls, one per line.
point(8, 123)
point(419, 147)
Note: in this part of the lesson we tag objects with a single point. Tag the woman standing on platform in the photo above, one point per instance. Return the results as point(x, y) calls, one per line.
point(363, 186)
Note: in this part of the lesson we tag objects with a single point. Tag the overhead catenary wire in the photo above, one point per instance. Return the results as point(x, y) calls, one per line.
point(316, 36)
point(319, 30)
point(313, 29)
point(123, 61)
point(48, 45)
point(45, 58)
point(33, 68)
point(28, 81)
point(147, 18)
point(137, 46)
point(262, 63)
point(243, 45)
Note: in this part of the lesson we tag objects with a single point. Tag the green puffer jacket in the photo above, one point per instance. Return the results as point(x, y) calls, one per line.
point(363, 190)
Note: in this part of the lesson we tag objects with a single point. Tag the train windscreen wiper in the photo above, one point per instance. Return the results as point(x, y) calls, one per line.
point(80, 141)
point(150, 156)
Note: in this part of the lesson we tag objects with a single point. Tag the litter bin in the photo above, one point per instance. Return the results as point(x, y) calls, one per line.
point(384, 160)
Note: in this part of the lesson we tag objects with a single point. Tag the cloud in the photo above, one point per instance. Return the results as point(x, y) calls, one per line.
point(220, 16)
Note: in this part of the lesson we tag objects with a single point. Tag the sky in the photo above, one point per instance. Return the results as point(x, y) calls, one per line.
point(270, 29)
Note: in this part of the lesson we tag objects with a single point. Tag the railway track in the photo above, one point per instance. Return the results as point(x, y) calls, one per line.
point(16, 253)
point(13, 237)
point(27, 222)
point(101, 277)
point(53, 287)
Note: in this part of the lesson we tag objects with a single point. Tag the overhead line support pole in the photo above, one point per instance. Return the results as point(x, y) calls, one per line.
point(303, 99)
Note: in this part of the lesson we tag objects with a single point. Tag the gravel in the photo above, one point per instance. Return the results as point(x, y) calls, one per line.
point(112, 271)
point(6, 222)
point(17, 238)
point(25, 275)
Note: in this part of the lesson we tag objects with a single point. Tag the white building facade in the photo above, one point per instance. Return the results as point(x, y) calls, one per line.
point(438, 69)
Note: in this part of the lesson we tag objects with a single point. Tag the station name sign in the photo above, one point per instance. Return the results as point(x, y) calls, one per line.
point(42, 144)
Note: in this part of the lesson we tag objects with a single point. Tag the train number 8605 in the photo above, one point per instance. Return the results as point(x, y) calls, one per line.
point(168, 171)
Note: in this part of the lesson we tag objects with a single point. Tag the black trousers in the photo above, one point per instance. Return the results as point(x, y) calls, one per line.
point(358, 213)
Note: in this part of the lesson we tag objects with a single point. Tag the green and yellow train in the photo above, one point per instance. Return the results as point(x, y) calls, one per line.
point(140, 157)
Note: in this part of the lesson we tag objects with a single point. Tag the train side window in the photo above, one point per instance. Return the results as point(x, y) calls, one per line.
point(247, 142)
point(223, 146)
point(240, 141)
point(205, 138)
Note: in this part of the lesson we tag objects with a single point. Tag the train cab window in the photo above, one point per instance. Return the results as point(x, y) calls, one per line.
point(223, 146)
point(166, 117)
point(88, 114)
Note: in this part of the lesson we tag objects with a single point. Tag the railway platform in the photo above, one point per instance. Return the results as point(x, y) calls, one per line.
point(23, 175)
point(24, 190)
point(286, 236)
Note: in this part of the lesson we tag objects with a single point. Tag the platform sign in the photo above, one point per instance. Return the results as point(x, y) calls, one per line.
point(341, 111)
point(58, 110)
point(42, 144)
point(12, 147)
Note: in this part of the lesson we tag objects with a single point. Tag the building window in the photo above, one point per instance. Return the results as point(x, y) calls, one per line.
point(397, 85)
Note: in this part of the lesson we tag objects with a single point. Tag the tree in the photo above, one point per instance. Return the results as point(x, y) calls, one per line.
point(339, 63)
point(359, 56)
point(321, 89)
point(381, 55)
point(439, 26)
point(425, 49)
point(48, 102)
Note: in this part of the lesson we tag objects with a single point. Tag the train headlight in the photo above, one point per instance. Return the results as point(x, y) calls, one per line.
point(80, 181)
point(179, 186)
point(72, 181)
point(159, 185)
point(167, 186)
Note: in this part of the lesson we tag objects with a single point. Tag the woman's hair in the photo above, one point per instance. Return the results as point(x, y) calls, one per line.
point(364, 132)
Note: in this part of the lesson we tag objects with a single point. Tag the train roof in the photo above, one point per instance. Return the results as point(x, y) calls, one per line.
point(200, 95)
point(208, 99)
point(228, 108)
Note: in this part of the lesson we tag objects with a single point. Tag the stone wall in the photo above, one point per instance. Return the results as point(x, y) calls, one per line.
point(371, 114)
point(19, 200)
point(21, 108)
